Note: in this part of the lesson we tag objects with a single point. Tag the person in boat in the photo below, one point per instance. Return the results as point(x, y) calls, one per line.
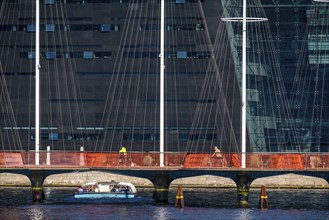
point(123, 154)
point(126, 189)
point(96, 189)
point(112, 188)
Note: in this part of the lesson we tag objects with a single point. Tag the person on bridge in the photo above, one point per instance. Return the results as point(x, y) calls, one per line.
point(218, 154)
point(123, 154)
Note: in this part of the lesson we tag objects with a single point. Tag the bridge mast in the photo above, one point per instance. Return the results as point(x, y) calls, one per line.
point(244, 21)
point(244, 85)
point(37, 82)
point(162, 67)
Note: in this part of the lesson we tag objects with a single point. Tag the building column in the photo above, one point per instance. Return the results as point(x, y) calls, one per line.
point(161, 184)
point(37, 178)
point(243, 181)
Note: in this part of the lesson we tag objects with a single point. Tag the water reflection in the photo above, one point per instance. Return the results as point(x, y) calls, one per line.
point(161, 213)
point(36, 213)
point(16, 203)
point(244, 214)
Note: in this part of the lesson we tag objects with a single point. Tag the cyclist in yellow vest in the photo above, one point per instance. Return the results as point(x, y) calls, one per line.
point(123, 155)
point(123, 150)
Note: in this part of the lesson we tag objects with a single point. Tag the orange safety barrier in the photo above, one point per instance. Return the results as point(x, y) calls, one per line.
point(315, 161)
point(291, 161)
point(294, 161)
point(131, 159)
point(325, 161)
point(174, 159)
point(144, 159)
point(54, 158)
point(197, 160)
point(101, 159)
point(235, 160)
point(11, 159)
point(261, 160)
point(207, 160)
point(59, 158)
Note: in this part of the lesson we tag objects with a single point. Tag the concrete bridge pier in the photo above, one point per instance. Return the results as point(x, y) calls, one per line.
point(161, 182)
point(37, 178)
point(243, 181)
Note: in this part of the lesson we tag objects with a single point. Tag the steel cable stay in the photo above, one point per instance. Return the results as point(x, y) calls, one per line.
point(309, 83)
point(262, 64)
point(67, 94)
point(197, 129)
point(111, 109)
point(211, 90)
point(9, 136)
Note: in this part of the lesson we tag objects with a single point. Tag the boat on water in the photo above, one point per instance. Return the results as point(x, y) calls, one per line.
point(106, 190)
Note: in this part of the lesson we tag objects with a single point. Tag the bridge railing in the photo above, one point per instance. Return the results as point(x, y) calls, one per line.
point(290, 161)
point(287, 161)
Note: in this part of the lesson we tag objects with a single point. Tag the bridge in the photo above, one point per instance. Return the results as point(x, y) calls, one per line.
point(177, 165)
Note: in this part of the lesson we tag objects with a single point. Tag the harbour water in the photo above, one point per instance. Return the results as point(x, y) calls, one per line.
point(206, 203)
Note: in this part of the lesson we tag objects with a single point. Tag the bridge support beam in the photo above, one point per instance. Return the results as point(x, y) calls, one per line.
point(37, 178)
point(243, 181)
point(161, 184)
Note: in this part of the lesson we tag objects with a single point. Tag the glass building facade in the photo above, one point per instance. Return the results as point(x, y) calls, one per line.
point(100, 77)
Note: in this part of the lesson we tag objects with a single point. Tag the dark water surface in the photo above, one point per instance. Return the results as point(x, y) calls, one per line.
point(16, 203)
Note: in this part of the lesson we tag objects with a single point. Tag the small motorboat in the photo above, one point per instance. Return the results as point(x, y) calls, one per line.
point(111, 189)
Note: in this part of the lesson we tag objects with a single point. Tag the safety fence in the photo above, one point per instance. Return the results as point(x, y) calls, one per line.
point(56, 159)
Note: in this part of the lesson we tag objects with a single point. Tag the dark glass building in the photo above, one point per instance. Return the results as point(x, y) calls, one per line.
point(100, 75)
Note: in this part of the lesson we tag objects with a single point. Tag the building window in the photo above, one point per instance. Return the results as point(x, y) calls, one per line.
point(198, 27)
point(116, 27)
point(53, 136)
point(88, 54)
point(31, 55)
point(105, 27)
point(50, 27)
point(49, 2)
point(319, 58)
point(30, 28)
point(107, 55)
point(180, 1)
point(51, 55)
point(181, 54)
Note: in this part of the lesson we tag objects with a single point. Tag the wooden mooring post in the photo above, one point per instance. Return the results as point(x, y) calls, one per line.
point(179, 197)
point(263, 202)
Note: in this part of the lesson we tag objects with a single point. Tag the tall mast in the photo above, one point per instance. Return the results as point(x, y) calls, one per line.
point(37, 82)
point(162, 67)
point(244, 85)
point(244, 21)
